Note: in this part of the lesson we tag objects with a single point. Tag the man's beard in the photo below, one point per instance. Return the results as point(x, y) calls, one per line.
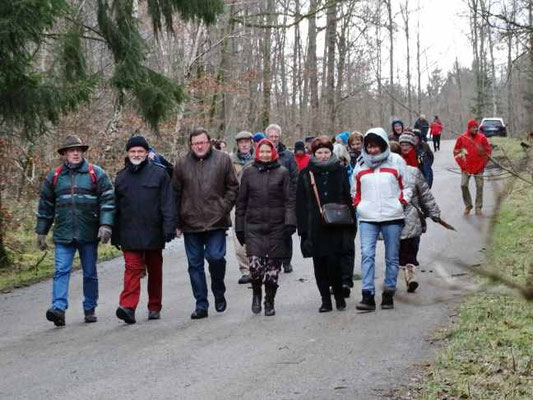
point(136, 161)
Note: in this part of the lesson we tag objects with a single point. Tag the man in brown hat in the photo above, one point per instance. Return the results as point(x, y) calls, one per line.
point(79, 200)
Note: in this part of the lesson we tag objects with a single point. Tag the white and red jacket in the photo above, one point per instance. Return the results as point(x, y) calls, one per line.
point(379, 194)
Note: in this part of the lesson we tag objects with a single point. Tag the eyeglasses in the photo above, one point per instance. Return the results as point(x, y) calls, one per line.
point(198, 144)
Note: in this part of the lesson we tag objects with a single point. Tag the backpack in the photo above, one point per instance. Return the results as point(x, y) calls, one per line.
point(92, 174)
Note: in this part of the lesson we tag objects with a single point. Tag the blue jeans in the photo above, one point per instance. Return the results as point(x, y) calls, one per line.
point(369, 235)
point(64, 257)
point(209, 245)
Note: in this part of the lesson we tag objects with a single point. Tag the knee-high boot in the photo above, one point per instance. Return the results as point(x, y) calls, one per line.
point(256, 297)
point(270, 294)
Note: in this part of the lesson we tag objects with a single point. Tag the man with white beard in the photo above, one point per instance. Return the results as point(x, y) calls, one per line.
point(145, 220)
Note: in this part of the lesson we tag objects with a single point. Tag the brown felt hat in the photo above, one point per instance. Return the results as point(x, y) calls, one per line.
point(70, 143)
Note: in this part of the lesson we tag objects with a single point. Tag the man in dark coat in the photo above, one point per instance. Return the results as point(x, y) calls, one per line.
point(78, 199)
point(206, 188)
point(145, 221)
point(286, 159)
point(423, 125)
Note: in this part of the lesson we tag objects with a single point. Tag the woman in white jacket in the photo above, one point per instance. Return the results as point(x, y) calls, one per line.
point(380, 198)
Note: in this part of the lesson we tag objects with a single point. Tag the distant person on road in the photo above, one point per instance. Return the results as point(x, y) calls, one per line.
point(145, 220)
point(326, 244)
point(422, 203)
point(436, 131)
point(423, 125)
point(397, 129)
point(300, 155)
point(472, 151)
point(243, 157)
point(380, 198)
point(206, 189)
point(78, 199)
point(264, 217)
point(286, 158)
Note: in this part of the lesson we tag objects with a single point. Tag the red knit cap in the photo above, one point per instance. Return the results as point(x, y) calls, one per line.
point(472, 122)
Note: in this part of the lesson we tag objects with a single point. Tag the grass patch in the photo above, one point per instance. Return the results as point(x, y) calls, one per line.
point(506, 147)
point(30, 265)
point(489, 351)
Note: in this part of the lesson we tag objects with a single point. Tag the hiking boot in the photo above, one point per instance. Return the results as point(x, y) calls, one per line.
point(90, 316)
point(270, 294)
point(340, 303)
point(56, 316)
point(245, 279)
point(387, 299)
point(409, 272)
point(467, 210)
point(199, 314)
point(154, 315)
point(287, 268)
point(220, 304)
point(326, 305)
point(126, 314)
point(367, 303)
point(256, 299)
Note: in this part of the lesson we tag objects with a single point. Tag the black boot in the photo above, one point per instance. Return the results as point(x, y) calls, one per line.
point(338, 294)
point(326, 305)
point(256, 297)
point(90, 316)
point(270, 293)
point(367, 303)
point(56, 316)
point(387, 302)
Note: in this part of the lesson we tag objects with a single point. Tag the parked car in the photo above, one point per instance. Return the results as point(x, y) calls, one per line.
point(493, 127)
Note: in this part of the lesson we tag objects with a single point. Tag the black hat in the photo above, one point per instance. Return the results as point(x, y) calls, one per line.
point(299, 146)
point(137, 141)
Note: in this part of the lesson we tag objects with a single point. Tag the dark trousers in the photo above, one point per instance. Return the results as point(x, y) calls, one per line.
point(436, 142)
point(328, 272)
point(135, 266)
point(211, 246)
point(409, 251)
point(287, 261)
point(348, 264)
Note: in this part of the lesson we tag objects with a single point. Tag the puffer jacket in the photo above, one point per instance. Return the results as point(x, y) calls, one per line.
point(76, 205)
point(472, 152)
point(145, 207)
point(206, 190)
point(422, 204)
point(264, 209)
point(379, 194)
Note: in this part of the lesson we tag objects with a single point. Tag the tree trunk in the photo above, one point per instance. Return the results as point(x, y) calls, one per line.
point(391, 57)
point(312, 67)
point(331, 33)
point(418, 71)
point(267, 70)
point(405, 12)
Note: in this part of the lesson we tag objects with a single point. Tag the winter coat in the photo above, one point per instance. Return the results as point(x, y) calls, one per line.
point(425, 161)
point(422, 203)
point(206, 190)
point(472, 152)
point(286, 159)
point(161, 161)
point(239, 163)
point(436, 128)
point(423, 125)
point(264, 209)
point(380, 194)
point(76, 205)
point(318, 239)
point(145, 207)
point(302, 160)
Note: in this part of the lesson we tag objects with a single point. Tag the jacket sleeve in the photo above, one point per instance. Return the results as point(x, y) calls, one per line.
point(242, 203)
point(487, 148)
point(177, 185)
point(427, 166)
point(301, 199)
point(407, 191)
point(458, 153)
point(427, 200)
point(346, 193)
point(290, 200)
point(168, 205)
point(47, 206)
point(115, 236)
point(232, 185)
point(106, 199)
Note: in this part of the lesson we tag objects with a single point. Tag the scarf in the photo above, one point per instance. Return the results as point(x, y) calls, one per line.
point(375, 161)
point(331, 164)
point(73, 166)
point(411, 158)
point(245, 158)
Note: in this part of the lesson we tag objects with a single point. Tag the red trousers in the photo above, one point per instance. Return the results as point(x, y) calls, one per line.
point(135, 267)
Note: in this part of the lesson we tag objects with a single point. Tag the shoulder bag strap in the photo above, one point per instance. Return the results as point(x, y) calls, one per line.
point(315, 191)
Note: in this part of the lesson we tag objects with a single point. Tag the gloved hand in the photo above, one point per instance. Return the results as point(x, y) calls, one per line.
point(169, 236)
point(240, 237)
point(436, 219)
point(104, 233)
point(41, 242)
point(289, 230)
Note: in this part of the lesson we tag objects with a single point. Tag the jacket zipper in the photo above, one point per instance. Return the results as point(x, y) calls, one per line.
point(72, 202)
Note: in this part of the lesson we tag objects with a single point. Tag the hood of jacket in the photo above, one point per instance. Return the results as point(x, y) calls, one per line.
point(375, 161)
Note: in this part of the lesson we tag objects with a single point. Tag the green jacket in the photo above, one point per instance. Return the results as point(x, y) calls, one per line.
point(75, 205)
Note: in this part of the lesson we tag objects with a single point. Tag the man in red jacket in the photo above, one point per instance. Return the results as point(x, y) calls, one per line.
point(436, 130)
point(471, 152)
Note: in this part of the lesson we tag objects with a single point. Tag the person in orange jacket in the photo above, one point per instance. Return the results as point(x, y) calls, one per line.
point(472, 152)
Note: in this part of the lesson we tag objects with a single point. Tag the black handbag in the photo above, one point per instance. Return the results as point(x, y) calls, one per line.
point(333, 214)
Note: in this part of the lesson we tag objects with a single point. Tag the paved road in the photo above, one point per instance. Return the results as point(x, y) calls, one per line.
point(298, 354)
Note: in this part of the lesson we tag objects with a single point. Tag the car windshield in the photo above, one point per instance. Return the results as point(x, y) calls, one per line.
point(492, 123)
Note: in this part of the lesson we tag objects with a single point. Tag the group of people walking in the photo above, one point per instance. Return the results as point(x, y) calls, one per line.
point(327, 191)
